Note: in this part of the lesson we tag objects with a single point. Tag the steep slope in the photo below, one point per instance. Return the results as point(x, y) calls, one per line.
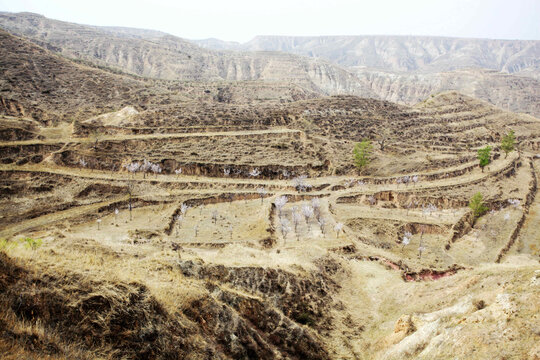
point(514, 93)
point(158, 55)
point(407, 69)
point(36, 83)
point(405, 53)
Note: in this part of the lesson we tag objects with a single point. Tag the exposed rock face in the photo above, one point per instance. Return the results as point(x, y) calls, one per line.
point(399, 69)
point(403, 53)
point(158, 55)
point(407, 69)
point(514, 93)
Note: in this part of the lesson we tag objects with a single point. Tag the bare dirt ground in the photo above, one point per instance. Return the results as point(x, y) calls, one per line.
point(206, 262)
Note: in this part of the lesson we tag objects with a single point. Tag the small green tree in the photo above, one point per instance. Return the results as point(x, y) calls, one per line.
point(477, 205)
point(508, 143)
point(362, 154)
point(484, 156)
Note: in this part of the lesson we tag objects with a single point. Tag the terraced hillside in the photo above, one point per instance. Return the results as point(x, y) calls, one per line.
point(180, 226)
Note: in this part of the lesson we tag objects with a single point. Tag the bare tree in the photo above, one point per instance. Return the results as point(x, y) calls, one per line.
point(384, 136)
point(145, 167)
point(406, 239)
point(255, 172)
point(156, 169)
point(285, 228)
point(316, 205)
point(133, 168)
point(421, 249)
point(322, 224)
point(307, 211)
point(300, 183)
point(179, 218)
point(215, 216)
point(338, 227)
point(406, 180)
point(280, 203)
point(296, 218)
point(262, 192)
point(184, 208)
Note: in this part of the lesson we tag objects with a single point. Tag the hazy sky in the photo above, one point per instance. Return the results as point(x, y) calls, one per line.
point(241, 20)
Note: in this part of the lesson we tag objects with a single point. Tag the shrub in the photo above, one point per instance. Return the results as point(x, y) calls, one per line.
point(477, 205)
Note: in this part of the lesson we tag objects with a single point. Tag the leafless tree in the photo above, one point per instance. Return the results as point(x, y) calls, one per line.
point(156, 169)
point(421, 249)
point(262, 192)
point(285, 228)
point(300, 183)
point(316, 205)
point(179, 218)
point(406, 239)
point(145, 167)
point(322, 224)
point(338, 228)
point(296, 218)
point(280, 203)
point(255, 172)
point(307, 211)
point(215, 216)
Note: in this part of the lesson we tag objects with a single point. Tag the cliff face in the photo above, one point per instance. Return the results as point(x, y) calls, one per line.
point(400, 69)
point(158, 55)
point(409, 53)
point(407, 69)
point(514, 93)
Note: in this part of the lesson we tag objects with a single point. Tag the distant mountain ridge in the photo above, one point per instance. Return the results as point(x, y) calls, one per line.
point(159, 55)
point(395, 68)
point(401, 53)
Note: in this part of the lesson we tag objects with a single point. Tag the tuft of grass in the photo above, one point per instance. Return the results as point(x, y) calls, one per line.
point(30, 243)
point(6, 245)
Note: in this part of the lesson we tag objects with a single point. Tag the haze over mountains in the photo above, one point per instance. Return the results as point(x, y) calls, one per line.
point(401, 53)
point(395, 68)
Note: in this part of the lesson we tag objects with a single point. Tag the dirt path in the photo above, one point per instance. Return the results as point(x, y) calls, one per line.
point(75, 140)
point(528, 241)
point(57, 216)
point(346, 211)
point(468, 178)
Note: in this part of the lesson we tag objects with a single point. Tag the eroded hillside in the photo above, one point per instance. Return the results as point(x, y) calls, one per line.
point(228, 221)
